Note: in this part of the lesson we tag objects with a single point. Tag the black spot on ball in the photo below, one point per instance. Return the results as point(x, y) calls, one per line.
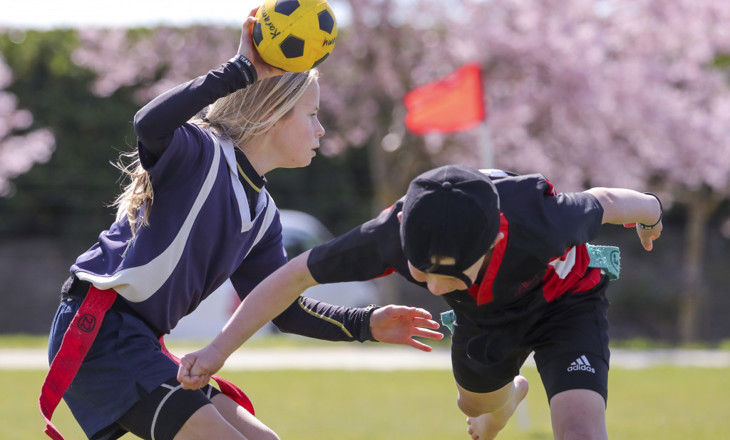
point(326, 21)
point(292, 47)
point(257, 33)
point(320, 61)
point(286, 7)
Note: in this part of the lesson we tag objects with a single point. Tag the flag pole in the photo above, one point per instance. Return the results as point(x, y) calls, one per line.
point(486, 147)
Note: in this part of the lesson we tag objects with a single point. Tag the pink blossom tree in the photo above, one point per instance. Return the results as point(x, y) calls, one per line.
point(20, 148)
point(589, 92)
point(613, 92)
point(153, 60)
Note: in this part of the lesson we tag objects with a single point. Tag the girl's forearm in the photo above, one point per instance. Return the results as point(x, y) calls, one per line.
point(269, 299)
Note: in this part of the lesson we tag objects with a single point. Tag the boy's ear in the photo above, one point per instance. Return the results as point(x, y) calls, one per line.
point(400, 218)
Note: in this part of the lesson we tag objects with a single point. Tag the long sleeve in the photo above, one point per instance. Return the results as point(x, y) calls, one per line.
point(315, 319)
point(156, 122)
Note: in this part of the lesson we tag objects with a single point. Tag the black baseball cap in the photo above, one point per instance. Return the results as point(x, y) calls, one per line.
point(451, 211)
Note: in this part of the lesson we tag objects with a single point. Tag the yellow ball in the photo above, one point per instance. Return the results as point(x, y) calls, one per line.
point(295, 35)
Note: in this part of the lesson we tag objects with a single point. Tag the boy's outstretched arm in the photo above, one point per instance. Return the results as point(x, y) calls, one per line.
point(390, 324)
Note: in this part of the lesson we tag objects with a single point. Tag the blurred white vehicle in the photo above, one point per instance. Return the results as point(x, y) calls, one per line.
point(301, 232)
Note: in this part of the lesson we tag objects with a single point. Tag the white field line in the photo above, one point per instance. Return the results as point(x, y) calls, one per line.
point(384, 359)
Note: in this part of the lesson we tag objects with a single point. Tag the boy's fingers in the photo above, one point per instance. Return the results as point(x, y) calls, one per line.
point(430, 334)
point(426, 323)
point(419, 345)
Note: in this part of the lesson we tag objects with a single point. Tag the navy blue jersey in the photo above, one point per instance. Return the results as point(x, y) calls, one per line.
point(199, 233)
point(211, 219)
point(541, 257)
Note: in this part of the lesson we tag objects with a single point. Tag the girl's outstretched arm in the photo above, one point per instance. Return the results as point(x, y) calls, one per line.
point(263, 304)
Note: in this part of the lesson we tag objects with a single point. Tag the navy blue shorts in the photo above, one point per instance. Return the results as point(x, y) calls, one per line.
point(568, 335)
point(124, 364)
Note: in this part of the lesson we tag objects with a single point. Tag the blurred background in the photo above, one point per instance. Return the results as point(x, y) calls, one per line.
point(587, 92)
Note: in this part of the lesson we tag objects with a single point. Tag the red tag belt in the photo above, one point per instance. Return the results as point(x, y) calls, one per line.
point(75, 345)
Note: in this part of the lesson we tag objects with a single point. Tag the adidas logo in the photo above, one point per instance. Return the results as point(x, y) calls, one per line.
point(581, 364)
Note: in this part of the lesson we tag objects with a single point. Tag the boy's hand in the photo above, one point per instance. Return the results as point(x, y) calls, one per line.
point(399, 324)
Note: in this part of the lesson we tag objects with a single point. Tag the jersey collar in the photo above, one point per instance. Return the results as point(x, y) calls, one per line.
point(247, 174)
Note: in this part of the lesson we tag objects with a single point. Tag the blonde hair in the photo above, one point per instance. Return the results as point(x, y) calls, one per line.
point(240, 116)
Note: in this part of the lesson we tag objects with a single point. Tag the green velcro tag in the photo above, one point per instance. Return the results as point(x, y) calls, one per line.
point(607, 258)
point(447, 319)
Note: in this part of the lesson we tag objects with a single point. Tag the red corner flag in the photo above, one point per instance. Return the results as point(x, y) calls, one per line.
point(452, 104)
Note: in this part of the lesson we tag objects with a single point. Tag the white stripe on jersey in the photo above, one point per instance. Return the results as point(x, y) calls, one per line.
point(268, 219)
point(157, 271)
point(564, 266)
point(230, 155)
point(264, 197)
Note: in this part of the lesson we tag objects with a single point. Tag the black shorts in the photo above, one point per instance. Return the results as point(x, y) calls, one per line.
point(160, 414)
point(568, 335)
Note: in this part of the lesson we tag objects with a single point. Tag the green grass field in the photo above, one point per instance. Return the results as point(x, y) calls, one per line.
point(664, 403)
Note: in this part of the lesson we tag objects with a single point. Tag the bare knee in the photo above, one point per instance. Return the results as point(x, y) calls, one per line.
point(578, 415)
point(580, 433)
point(580, 429)
point(476, 404)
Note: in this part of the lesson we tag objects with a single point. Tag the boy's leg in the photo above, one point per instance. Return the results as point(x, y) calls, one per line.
point(578, 414)
point(572, 358)
point(488, 413)
point(486, 366)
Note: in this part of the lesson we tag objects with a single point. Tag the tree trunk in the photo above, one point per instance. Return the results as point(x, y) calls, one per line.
point(700, 206)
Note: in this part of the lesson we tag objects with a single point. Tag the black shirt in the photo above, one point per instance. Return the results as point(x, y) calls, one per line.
point(541, 257)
